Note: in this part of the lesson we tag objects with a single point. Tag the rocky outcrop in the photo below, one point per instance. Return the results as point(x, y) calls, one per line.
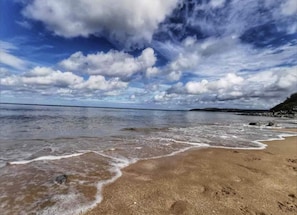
point(288, 108)
point(61, 179)
point(289, 105)
point(270, 124)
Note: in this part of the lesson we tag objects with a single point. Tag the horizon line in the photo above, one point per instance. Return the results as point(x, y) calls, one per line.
point(86, 106)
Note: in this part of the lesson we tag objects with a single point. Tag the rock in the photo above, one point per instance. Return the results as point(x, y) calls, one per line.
point(254, 123)
point(61, 179)
point(271, 124)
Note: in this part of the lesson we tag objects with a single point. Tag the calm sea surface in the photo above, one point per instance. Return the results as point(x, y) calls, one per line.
point(91, 145)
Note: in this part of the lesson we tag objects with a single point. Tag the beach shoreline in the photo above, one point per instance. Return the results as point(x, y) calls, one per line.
point(208, 181)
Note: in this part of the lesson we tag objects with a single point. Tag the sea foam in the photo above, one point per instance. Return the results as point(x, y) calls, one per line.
point(45, 158)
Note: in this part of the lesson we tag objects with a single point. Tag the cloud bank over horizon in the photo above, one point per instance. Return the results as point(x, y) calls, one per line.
point(171, 54)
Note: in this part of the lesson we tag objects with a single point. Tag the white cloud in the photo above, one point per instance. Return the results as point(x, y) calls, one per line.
point(43, 76)
point(230, 81)
point(66, 83)
point(174, 75)
point(112, 63)
point(10, 81)
point(3, 72)
point(217, 3)
point(268, 83)
point(160, 97)
point(216, 57)
point(11, 60)
point(40, 71)
point(24, 24)
point(131, 22)
point(193, 87)
point(98, 82)
point(289, 7)
point(7, 58)
point(151, 72)
point(7, 46)
point(275, 79)
point(56, 78)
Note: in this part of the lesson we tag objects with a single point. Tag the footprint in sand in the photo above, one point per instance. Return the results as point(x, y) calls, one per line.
point(247, 211)
point(179, 207)
point(287, 206)
point(290, 160)
point(293, 163)
point(225, 191)
point(290, 205)
point(252, 158)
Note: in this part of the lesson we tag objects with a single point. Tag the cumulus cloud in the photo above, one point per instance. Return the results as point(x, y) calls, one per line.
point(111, 64)
point(131, 22)
point(98, 82)
point(212, 51)
point(174, 75)
point(230, 81)
point(64, 82)
point(151, 72)
point(42, 76)
point(197, 87)
point(269, 83)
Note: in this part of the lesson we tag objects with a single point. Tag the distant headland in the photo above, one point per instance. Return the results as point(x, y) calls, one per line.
point(287, 108)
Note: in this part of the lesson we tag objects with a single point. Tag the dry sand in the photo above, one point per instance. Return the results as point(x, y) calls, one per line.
point(209, 181)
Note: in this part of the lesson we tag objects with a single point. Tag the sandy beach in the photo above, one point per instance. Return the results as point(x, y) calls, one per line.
point(209, 181)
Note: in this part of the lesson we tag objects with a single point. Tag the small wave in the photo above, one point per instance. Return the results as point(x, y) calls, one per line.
point(258, 142)
point(45, 158)
point(117, 165)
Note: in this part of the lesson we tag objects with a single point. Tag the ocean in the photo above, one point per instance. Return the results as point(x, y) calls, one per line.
point(91, 146)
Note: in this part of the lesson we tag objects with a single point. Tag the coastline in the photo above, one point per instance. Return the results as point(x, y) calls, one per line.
point(208, 181)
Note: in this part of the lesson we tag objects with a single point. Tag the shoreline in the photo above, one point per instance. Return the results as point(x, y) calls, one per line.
point(153, 186)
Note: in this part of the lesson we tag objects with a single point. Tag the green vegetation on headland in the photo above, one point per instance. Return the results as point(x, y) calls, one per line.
point(288, 108)
point(290, 104)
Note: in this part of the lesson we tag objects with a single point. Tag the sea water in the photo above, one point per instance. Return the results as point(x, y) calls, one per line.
point(92, 145)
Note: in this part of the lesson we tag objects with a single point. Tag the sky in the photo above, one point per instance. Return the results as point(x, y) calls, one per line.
point(168, 54)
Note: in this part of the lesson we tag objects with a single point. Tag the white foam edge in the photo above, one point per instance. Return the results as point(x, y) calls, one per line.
point(45, 158)
point(119, 163)
point(258, 142)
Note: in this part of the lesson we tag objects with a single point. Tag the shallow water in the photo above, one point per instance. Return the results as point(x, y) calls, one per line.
point(91, 145)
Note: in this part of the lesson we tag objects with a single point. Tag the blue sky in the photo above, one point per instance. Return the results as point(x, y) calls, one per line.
point(171, 54)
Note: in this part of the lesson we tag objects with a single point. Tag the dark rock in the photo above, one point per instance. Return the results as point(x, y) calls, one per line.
point(61, 179)
point(271, 124)
point(254, 123)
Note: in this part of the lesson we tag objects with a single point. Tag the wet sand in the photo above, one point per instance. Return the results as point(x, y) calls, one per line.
point(209, 181)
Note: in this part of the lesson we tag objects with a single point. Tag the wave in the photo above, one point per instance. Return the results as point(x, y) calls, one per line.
point(118, 163)
point(44, 158)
